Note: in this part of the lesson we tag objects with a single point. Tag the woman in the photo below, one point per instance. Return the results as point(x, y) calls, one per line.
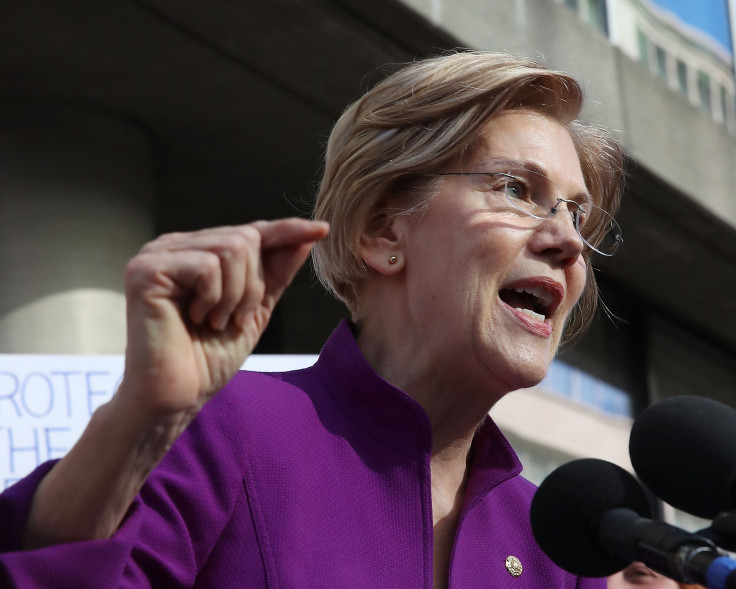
point(637, 574)
point(379, 466)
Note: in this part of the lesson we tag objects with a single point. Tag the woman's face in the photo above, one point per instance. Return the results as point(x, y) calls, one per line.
point(638, 574)
point(469, 260)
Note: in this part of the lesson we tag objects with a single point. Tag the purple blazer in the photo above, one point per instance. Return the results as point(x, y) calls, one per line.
point(317, 478)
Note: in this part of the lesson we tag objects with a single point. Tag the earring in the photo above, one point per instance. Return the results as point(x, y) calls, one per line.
point(393, 259)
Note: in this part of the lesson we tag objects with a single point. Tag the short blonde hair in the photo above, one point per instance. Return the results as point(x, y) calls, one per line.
point(422, 117)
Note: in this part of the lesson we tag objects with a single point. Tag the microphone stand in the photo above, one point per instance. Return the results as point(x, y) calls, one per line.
point(685, 557)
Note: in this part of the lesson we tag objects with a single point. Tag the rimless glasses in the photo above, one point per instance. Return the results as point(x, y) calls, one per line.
point(534, 194)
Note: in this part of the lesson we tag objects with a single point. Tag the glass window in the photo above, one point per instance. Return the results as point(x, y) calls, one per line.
point(597, 14)
point(611, 352)
point(643, 47)
point(661, 62)
point(583, 388)
point(682, 76)
point(704, 90)
point(724, 98)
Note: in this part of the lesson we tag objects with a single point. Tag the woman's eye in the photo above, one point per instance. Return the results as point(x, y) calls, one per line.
point(579, 217)
point(639, 575)
point(514, 189)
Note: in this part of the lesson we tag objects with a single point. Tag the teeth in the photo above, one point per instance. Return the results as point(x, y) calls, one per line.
point(540, 293)
point(530, 313)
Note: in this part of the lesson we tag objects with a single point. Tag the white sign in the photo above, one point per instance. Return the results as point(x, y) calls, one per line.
point(47, 400)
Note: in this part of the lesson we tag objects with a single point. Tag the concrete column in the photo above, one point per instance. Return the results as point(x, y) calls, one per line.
point(76, 202)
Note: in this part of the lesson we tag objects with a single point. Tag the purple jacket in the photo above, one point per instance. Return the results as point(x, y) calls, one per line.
point(317, 478)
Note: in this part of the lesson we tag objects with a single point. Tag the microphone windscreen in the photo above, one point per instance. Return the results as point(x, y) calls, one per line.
point(684, 449)
point(566, 512)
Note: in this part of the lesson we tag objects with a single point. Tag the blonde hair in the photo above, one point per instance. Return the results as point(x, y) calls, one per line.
point(420, 118)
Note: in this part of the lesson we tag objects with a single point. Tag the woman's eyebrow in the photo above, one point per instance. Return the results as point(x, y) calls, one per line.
point(583, 197)
point(509, 165)
point(502, 164)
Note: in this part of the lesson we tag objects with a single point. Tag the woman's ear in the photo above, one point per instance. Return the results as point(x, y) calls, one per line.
point(381, 244)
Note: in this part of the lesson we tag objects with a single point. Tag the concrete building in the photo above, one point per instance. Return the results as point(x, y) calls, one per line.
point(123, 120)
point(690, 61)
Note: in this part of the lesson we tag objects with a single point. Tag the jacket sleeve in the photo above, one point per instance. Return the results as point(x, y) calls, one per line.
point(77, 564)
point(169, 535)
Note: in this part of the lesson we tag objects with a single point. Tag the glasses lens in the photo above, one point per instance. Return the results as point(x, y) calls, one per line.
point(536, 195)
point(605, 236)
point(529, 192)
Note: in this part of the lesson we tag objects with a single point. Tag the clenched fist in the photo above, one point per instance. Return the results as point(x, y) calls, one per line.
point(197, 304)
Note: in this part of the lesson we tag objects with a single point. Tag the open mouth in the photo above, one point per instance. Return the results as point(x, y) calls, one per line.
point(535, 302)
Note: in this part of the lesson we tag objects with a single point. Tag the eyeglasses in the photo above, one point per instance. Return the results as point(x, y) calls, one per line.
point(535, 195)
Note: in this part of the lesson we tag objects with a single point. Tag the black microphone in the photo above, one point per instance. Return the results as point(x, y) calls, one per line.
point(684, 449)
point(591, 518)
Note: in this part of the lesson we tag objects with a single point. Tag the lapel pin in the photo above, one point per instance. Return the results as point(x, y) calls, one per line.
point(513, 566)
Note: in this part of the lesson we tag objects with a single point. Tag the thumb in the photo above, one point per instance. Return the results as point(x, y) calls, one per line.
point(280, 266)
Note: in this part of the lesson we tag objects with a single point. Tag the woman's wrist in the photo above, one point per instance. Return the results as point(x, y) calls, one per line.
point(87, 494)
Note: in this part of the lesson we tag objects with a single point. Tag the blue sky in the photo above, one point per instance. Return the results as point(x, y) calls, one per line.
point(710, 16)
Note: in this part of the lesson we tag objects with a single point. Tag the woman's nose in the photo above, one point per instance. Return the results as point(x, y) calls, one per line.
point(558, 237)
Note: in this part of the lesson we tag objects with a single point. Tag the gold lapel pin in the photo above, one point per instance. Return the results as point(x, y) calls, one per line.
point(513, 566)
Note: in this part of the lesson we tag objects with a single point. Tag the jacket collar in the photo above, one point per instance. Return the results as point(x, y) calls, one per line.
point(398, 421)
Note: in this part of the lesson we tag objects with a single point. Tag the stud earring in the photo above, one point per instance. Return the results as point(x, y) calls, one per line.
point(393, 259)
